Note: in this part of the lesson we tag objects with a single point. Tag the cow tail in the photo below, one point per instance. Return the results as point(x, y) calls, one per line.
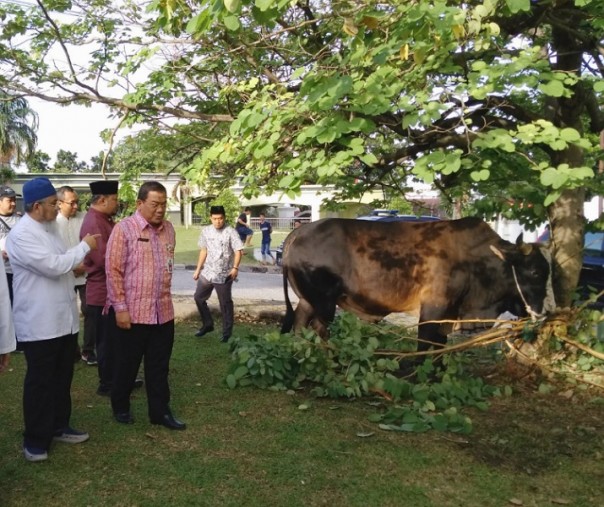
point(288, 320)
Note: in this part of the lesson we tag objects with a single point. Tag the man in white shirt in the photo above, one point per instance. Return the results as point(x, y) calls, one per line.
point(217, 267)
point(46, 318)
point(69, 221)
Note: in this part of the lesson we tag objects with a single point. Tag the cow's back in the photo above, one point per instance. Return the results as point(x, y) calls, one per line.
point(383, 267)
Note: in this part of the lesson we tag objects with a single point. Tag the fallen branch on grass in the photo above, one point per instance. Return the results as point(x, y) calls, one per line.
point(507, 329)
point(511, 333)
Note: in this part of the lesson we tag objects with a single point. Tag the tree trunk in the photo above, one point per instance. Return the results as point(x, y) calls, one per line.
point(567, 220)
point(567, 224)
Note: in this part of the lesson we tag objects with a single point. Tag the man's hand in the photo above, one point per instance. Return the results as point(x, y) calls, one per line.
point(123, 319)
point(196, 274)
point(79, 270)
point(4, 254)
point(90, 240)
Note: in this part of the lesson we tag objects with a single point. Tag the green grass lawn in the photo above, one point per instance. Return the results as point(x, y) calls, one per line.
point(248, 447)
point(187, 251)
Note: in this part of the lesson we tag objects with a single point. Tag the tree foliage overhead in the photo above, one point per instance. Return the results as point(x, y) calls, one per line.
point(18, 124)
point(68, 162)
point(500, 100)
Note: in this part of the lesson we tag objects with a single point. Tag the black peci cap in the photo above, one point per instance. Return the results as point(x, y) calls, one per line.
point(103, 187)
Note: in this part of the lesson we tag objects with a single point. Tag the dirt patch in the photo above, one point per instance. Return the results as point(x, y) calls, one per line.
point(246, 311)
point(532, 432)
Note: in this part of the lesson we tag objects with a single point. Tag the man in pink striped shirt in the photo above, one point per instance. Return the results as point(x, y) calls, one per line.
point(139, 260)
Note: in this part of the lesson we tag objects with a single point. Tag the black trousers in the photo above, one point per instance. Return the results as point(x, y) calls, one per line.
point(89, 338)
point(225, 298)
point(106, 333)
point(154, 343)
point(47, 388)
point(9, 281)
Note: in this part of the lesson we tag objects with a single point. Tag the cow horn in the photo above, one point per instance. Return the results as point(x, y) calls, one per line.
point(497, 252)
point(525, 248)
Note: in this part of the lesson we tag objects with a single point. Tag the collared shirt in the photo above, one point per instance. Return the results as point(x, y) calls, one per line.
point(221, 245)
point(96, 222)
point(139, 263)
point(6, 224)
point(7, 329)
point(44, 304)
point(69, 229)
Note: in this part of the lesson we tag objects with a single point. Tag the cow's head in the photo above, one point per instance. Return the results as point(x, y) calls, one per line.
point(531, 266)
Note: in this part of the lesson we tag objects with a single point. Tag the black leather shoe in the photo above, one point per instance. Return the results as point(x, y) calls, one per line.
point(170, 422)
point(138, 383)
point(204, 330)
point(124, 418)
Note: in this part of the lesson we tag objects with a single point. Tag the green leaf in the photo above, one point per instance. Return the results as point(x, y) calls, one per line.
point(369, 158)
point(199, 23)
point(482, 175)
point(241, 371)
point(545, 388)
point(231, 381)
point(231, 5)
point(264, 5)
point(551, 198)
point(551, 177)
point(232, 23)
point(286, 181)
point(552, 88)
point(328, 135)
point(518, 5)
point(570, 135)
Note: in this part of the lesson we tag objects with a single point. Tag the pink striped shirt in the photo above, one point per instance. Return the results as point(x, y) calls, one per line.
point(138, 264)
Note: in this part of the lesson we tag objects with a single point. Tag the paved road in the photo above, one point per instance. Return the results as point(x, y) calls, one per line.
point(253, 293)
point(260, 286)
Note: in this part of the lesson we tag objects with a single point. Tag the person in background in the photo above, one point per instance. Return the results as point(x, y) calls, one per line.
point(46, 318)
point(104, 205)
point(217, 268)
point(69, 222)
point(8, 219)
point(243, 229)
point(8, 342)
point(265, 248)
point(139, 263)
point(279, 251)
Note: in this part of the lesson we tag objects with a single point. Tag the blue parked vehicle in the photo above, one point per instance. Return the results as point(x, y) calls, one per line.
point(592, 272)
point(391, 215)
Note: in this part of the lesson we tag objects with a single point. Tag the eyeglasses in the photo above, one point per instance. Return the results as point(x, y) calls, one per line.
point(156, 205)
point(71, 203)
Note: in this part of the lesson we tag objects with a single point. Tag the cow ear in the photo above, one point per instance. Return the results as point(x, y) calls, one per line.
point(497, 252)
point(525, 248)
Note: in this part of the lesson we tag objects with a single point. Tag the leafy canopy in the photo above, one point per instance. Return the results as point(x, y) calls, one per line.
point(477, 98)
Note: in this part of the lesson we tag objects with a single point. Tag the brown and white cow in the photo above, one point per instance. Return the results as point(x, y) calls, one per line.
point(457, 269)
